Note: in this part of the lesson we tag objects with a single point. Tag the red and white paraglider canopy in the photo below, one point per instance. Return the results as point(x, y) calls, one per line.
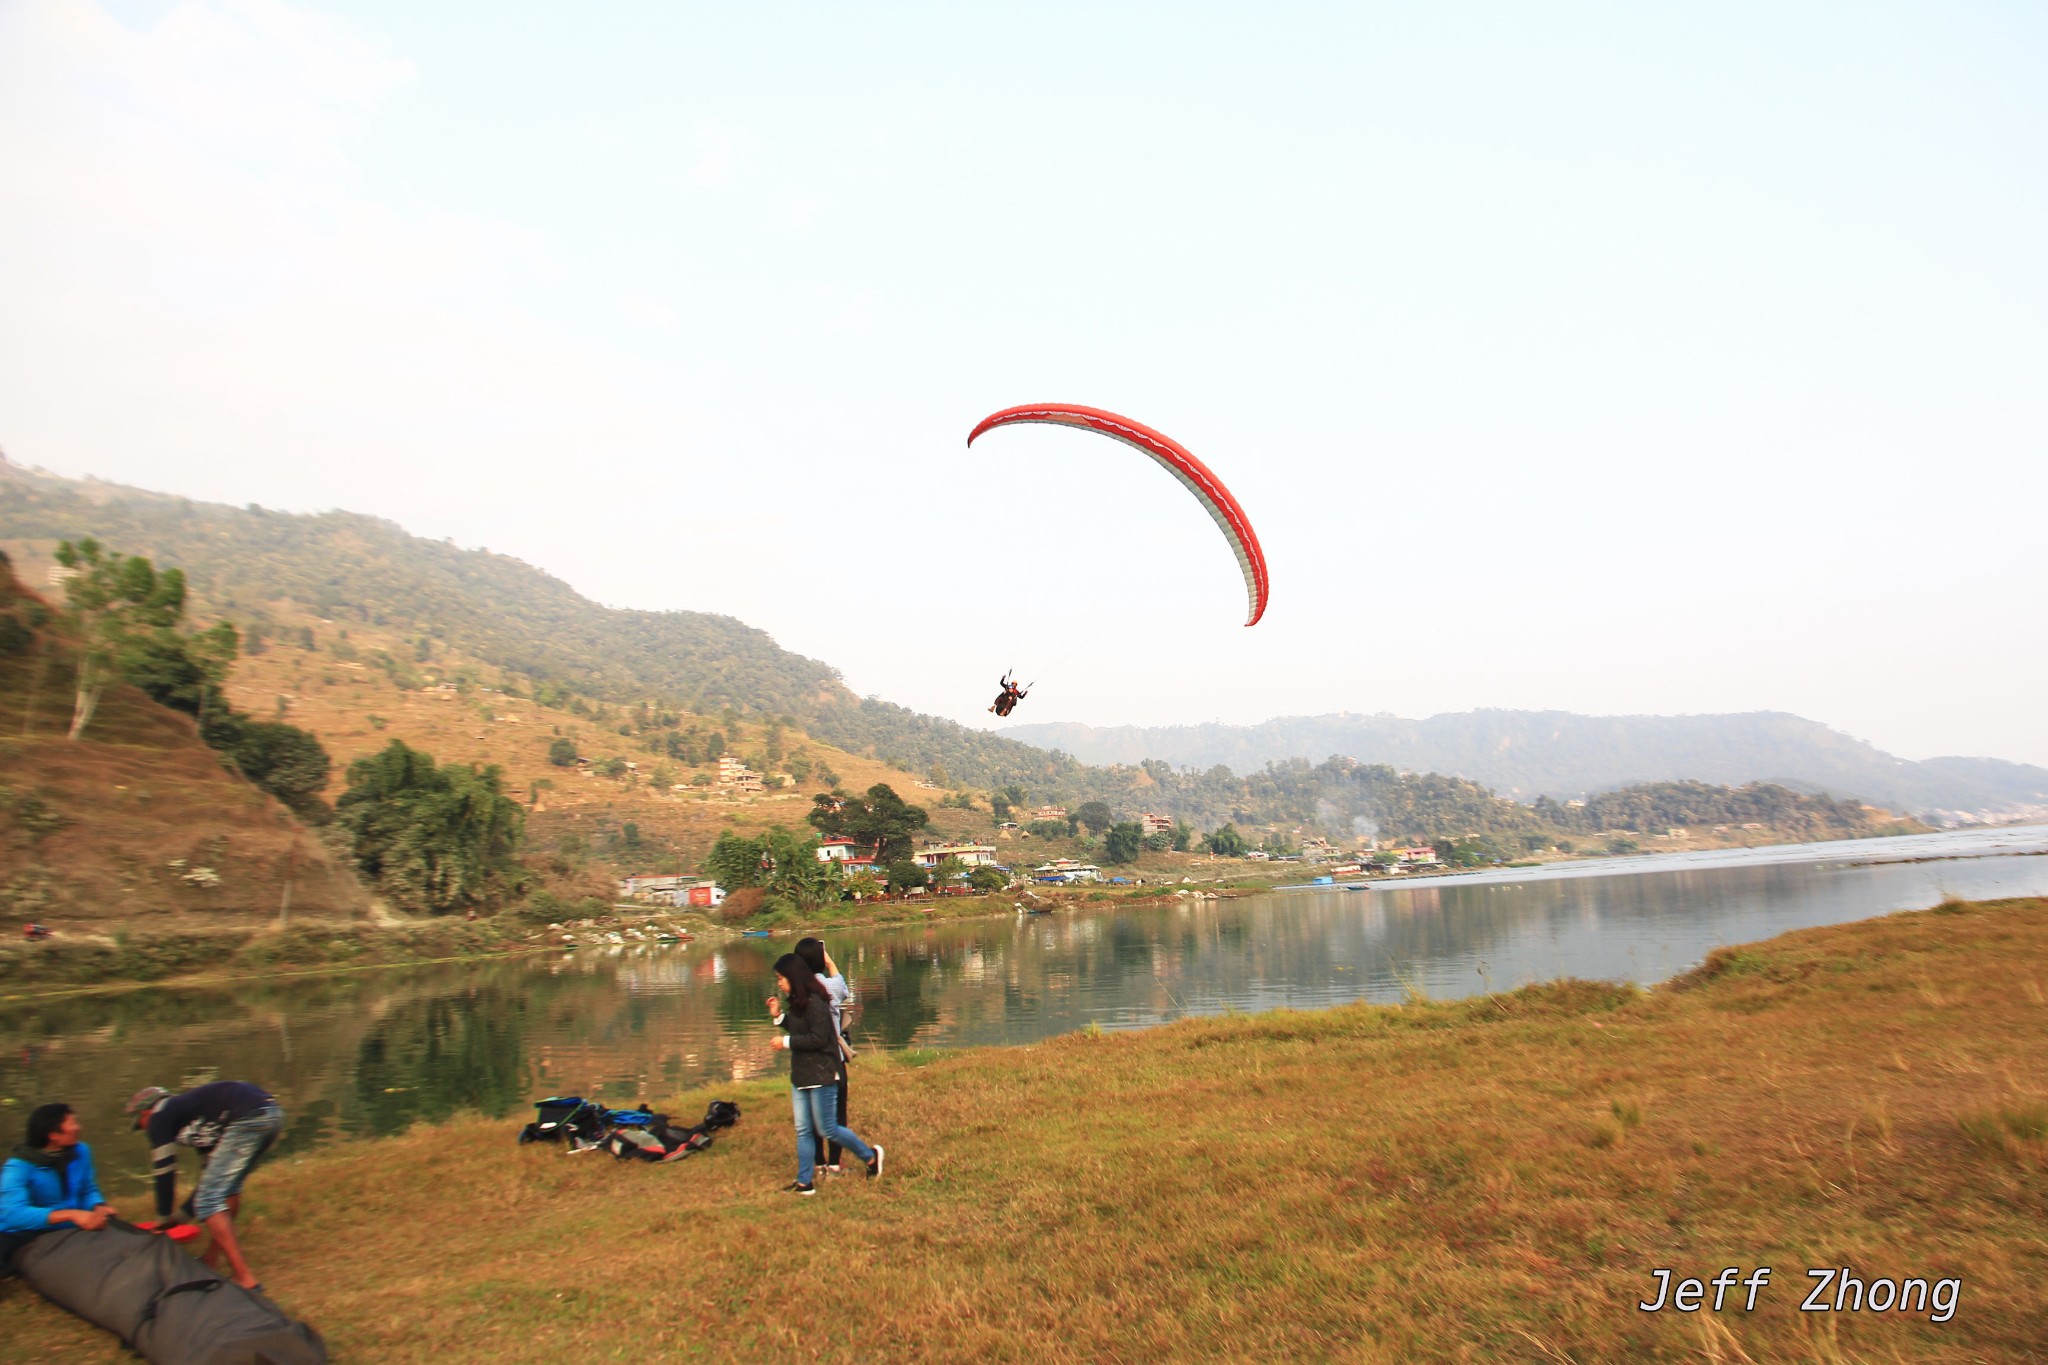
point(1196, 476)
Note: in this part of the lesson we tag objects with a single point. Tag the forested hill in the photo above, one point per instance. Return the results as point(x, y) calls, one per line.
point(344, 566)
point(1554, 753)
point(348, 567)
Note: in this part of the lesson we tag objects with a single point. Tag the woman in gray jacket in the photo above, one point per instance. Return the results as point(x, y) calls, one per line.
point(814, 1070)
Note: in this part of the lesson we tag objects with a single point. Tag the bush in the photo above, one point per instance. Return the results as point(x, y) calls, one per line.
point(743, 905)
point(545, 907)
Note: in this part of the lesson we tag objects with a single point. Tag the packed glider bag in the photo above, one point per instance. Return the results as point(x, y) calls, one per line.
point(168, 1307)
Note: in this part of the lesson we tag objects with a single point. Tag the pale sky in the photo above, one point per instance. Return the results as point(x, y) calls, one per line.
point(1605, 357)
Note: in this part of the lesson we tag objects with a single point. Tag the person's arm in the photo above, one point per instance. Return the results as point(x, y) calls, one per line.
point(94, 1199)
point(19, 1212)
point(163, 1162)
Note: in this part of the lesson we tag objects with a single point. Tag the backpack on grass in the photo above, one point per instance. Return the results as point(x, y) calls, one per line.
point(581, 1123)
point(648, 1136)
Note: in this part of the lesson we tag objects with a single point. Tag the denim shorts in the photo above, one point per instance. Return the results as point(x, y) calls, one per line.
point(241, 1147)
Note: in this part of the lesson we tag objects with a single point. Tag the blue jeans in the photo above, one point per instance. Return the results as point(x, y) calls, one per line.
point(817, 1112)
point(240, 1148)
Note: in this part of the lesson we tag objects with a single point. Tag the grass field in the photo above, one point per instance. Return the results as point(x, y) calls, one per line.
point(1487, 1179)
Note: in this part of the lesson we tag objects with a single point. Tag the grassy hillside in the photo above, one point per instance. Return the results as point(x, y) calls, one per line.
point(356, 706)
point(1480, 1180)
point(358, 571)
point(137, 821)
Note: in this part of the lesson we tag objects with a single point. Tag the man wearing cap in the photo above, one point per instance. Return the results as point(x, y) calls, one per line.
point(231, 1124)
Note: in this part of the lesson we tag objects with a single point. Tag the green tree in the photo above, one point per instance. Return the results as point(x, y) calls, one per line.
point(433, 839)
point(116, 606)
point(289, 763)
point(907, 874)
point(562, 752)
point(1126, 840)
point(988, 879)
point(1096, 816)
point(949, 872)
point(1226, 842)
point(734, 862)
point(878, 820)
point(1183, 838)
point(797, 878)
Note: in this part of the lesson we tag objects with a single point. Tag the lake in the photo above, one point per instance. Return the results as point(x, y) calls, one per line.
point(370, 1052)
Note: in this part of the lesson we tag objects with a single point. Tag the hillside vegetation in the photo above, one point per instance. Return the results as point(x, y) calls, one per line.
point(138, 819)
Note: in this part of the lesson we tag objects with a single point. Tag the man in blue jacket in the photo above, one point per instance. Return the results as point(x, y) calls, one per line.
point(48, 1182)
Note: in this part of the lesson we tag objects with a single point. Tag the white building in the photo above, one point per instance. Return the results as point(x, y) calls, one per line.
point(973, 855)
point(1067, 870)
point(733, 773)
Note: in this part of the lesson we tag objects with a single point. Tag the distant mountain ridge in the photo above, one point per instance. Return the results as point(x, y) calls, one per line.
point(1526, 754)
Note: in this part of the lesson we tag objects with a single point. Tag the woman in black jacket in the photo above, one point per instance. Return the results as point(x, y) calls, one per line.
point(813, 1047)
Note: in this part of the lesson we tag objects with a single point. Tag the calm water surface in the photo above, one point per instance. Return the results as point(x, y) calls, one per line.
point(371, 1052)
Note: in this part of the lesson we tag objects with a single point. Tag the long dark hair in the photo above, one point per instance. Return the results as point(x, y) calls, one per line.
point(45, 1120)
point(804, 985)
point(812, 951)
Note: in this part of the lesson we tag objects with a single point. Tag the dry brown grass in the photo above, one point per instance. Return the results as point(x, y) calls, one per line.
point(336, 699)
point(1422, 1183)
point(136, 804)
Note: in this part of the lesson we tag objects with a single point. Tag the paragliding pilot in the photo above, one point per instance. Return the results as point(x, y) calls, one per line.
point(1006, 700)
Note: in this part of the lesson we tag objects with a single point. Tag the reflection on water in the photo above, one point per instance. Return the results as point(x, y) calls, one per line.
point(369, 1053)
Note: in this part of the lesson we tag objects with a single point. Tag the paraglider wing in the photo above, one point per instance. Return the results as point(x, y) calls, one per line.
point(1176, 459)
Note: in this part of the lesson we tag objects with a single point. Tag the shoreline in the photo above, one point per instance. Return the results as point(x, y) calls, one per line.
point(481, 940)
point(127, 961)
